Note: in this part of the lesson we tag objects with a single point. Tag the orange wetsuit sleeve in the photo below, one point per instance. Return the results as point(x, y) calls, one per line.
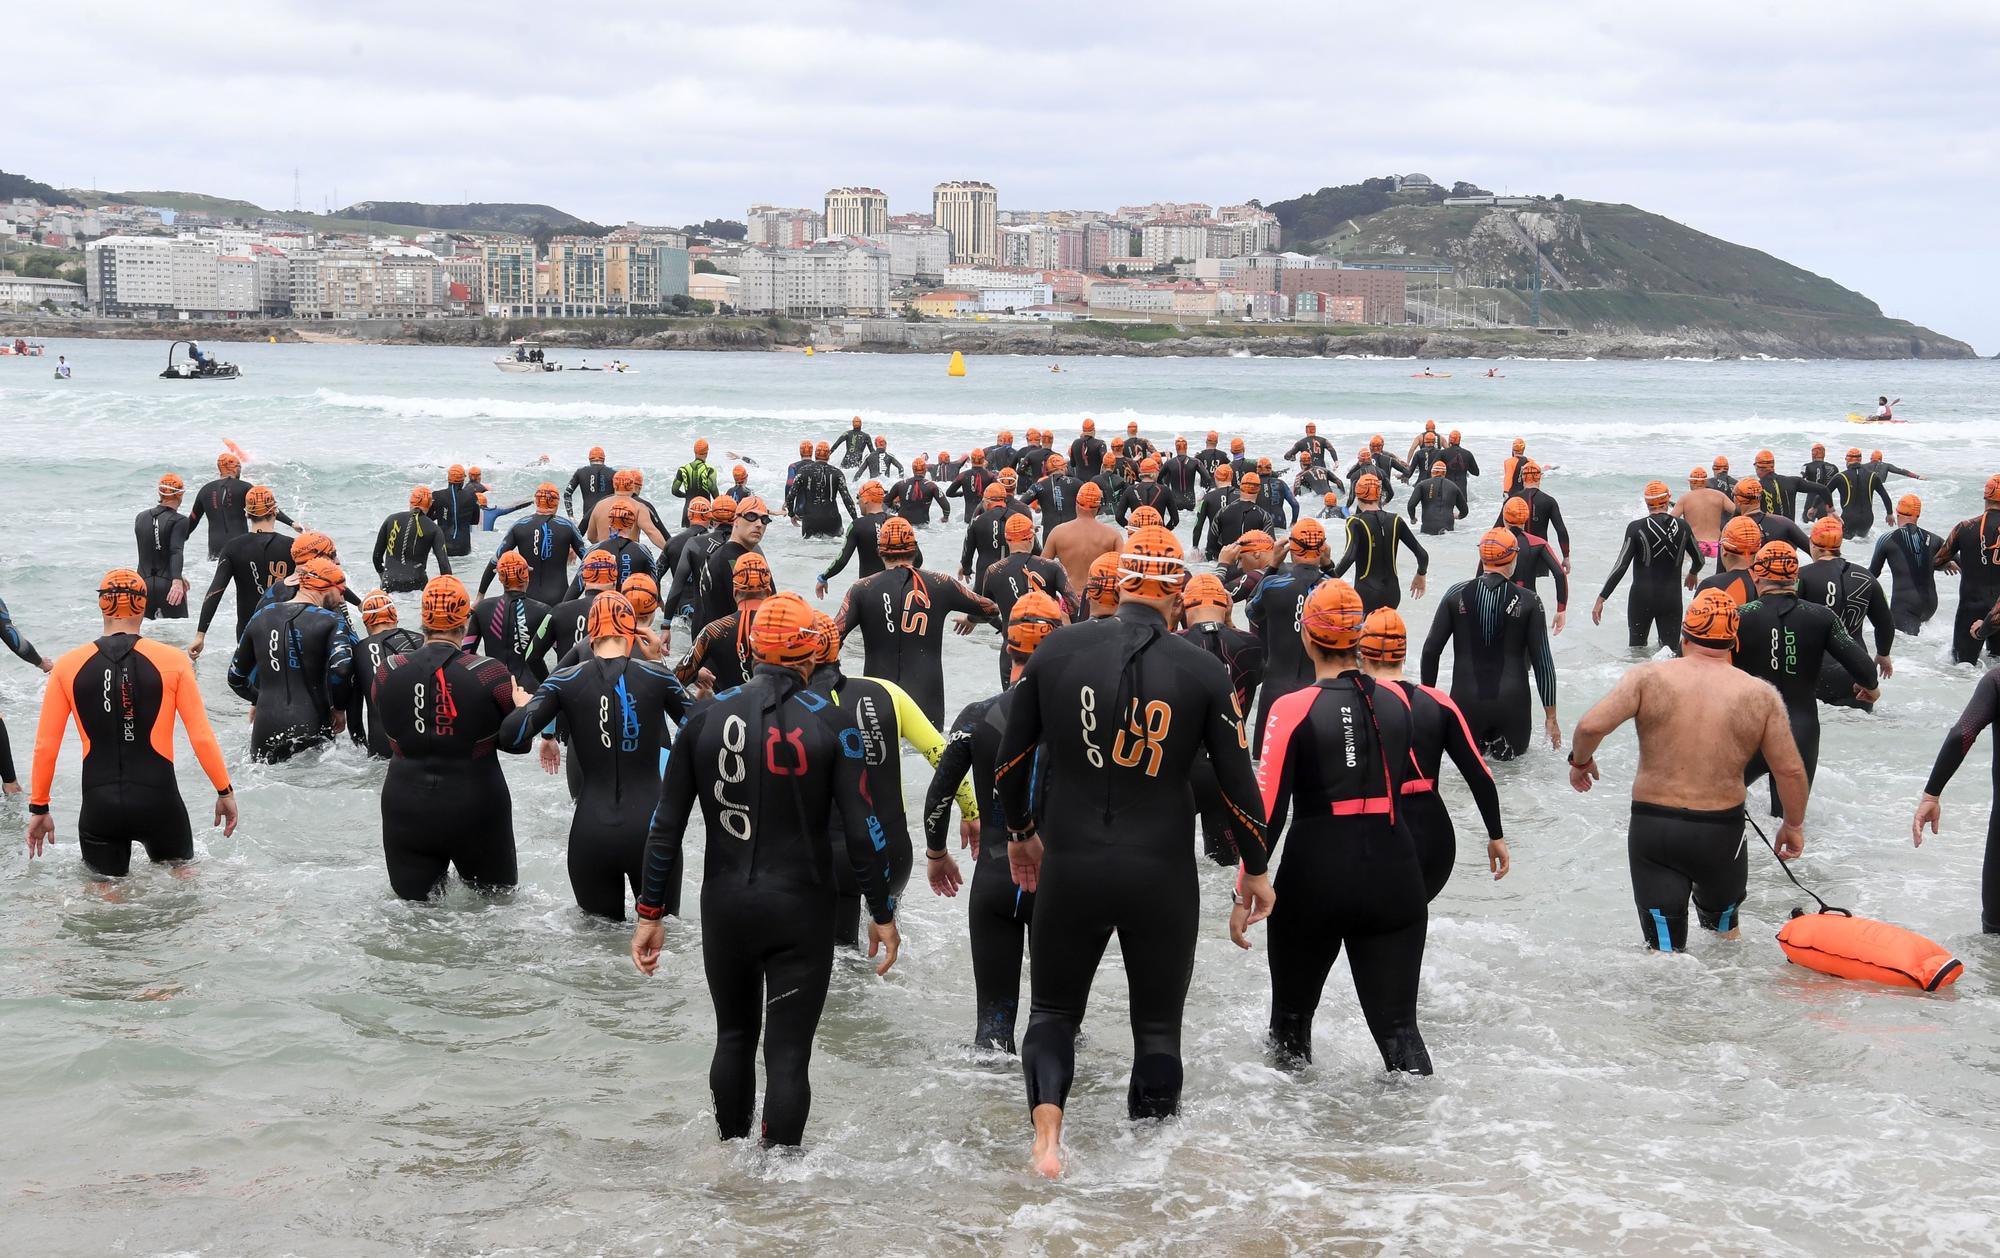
point(58, 705)
point(181, 695)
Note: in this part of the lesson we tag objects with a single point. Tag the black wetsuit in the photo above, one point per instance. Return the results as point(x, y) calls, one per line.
point(1149, 493)
point(632, 555)
point(1210, 458)
point(901, 614)
point(1273, 614)
point(913, 498)
point(682, 598)
point(850, 447)
point(1857, 598)
point(1737, 583)
point(1183, 475)
point(1086, 456)
point(1783, 640)
point(1543, 515)
point(220, 502)
point(986, 536)
point(456, 510)
point(546, 542)
point(1857, 486)
point(1118, 708)
point(1243, 655)
point(1209, 516)
point(1535, 560)
point(861, 544)
point(769, 764)
point(817, 495)
point(1006, 579)
point(1029, 461)
point(569, 623)
point(1335, 762)
point(1781, 493)
point(593, 481)
point(1276, 497)
point(1979, 713)
point(1656, 541)
point(1056, 496)
point(1000, 456)
point(1383, 468)
point(620, 714)
point(295, 664)
point(970, 485)
point(1441, 502)
point(162, 534)
point(1459, 464)
point(1372, 538)
point(26, 650)
point(445, 803)
point(516, 630)
point(1779, 528)
point(370, 654)
point(669, 559)
point(404, 547)
point(1244, 515)
point(1819, 472)
point(1907, 551)
point(253, 562)
point(1974, 545)
point(1314, 447)
point(1678, 854)
point(1437, 727)
point(1313, 483)
point(1498, 632)
point(880, 463)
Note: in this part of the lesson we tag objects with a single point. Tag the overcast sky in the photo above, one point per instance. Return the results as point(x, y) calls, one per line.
point(1859, 140)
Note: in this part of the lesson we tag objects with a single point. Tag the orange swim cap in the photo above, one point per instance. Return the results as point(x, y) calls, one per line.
point(1375, 442)
point(1515, 512)
point(260, 503)
point(721, 509)
point(1698, 478)
point(122, 592)
point(1992, 490)
point(611, 616)
point(228, 464)
point(1819, 449)
point(420, 498)
point(1384, 636)
point(1874, 456)
point(600, 567)
point(171, 485)
point(1256, 542)
point(1910, 505)
point(822, 451)
point(1749, 490)
point(1100, 589)
point(1777, 563)
point(1020, 528)
point(918, 463)
point(896, 537)
point(642, 592)
point(1008, 478)
point(1213, 436)
point(1658, 493)
point(1205, 590)
point(751, 505)
point(785, 632)
point(1264, 465)
point(1437, 467)
point(1236, 445)
point(1034, 616)
point(1765, 459)
point(750, 577)
point(547, 496)
point(1721, 462)
point(446, 604)
point(854, 421)
point(1153, 563)
point(1332, 615)
point(1250, 483)
point(1149, 464)
point(977, 457)
point(1531, 471)
point(1224, 473)
point(1180, 444)
point(1090, 425)
point(378, 610)
point(701, 447)
point(318, 576)
point(806, 449)
point(597, 454)
point(1054, 463)
point(1144, 517)
point(698, 510)
point(622, 515)
point(624, 480)
point(1826, 532)
point(872, 491)
point(1711, 620)
point(1308, 537)
point(1741, 536)
point(311, 545)
point(512, 569)
point(1853, 454)
point(1497, 548)
point(881, 443)
point(1118, 445)
point(1090, 497)
point(829, 638)
point(1455, 436)
point(1330, 499)
point(455, 474)
point(1368, 488)
point(994, 495)
point(1430, 425)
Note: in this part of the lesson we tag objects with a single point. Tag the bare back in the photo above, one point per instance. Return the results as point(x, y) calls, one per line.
point(1700, 721)
point(1076, 544)
point(1705, 510)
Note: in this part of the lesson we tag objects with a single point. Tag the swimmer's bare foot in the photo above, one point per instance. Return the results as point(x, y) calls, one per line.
point(10, 788)
point(1734, 932)
point(1047, 1158)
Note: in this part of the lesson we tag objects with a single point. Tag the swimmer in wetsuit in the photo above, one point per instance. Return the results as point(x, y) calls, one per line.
point(456, 510)
point(546, 540)
point(1973, 548)
point(1209, 512)
point(295, 665)
point(19, 645)
point(1855, 597)
point(694, 479)
point(912, 497)
point(1273, 612)
point(1784, 640)
point(1206, 606)
point(1117, 709)
point(816, 496)
point(593, 481)
point(221, 502)
point(1536, 560)
point(124, 693)
point(1781, 493)
point(384, 641)
point(162, 534)
point(986, 532)
point(852, 445)
point(1437, 727)
point(1545, 517)
point(1979, 713)
point(1149, 491)
point(1819, 472)
point(1657, 541)
point(253, 562)
point(1372, 537)
point(445, 802)
point(1740, 542)
point(900, 613)
point(769, 764)
point(1701, 725)
point(1497, 633)
point(1017, 572)
point(1350, 877)
point(405, 545)
point(621, 712)
point(1459, 464)
point(684, 598)
point(1086, 453)
point(1907, 550)
point(510, 627)
point(1856, 486)
point(1244, 515)
point(1772, 527)
point(1441, 502)
point(721, 657)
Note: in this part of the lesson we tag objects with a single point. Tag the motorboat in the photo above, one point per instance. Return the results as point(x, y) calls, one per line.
point(22, 348)
point(196, 366)
point(526, 359)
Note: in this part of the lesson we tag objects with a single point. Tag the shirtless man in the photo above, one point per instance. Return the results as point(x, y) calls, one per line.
point(1077, 543)
point(624, 485)
point(1706, 511)
point(1701, 721)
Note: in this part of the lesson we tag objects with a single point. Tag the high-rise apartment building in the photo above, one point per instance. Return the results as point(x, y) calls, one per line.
point(857, 212)
point(970, 211)
point(833, 277)
point(782, 228)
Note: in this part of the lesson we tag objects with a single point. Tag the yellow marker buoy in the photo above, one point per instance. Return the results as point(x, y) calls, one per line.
point(273, 340)
point(809, 351)
point(957, 367)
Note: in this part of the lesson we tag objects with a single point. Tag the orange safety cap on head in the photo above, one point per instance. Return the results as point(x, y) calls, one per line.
point(228, 464)
point(1153, 564)
point(1224, 473)
point(1100, 588)
point(978, 457)
point(622, 515)
point(1034, 616)
point(171, 485)
point(1497, 548)
point(624, 480)
point(785, 632)
point(1180, 444)
point(1090, 425)
point(1698, 478)
point(1711, 620)
point(698, 510)
point(1749, 490)
point(611, 616)
point(1332, 617)
point(1721, 462)
point(1520, 445)
point(1143, 517)
point(643, 592)
point(1531, 470)
point(597, 454)
point(822, 451)
point(1657, 493)
point(828, 633)
point(1264, 465)
point(1455, 436)
point(1910, 505)
point(1515, 512)
point(1256, 542)
point(1853, 454)
point(1992, 490)
point(1741, 536)
point(1776, 563)
point(1008, 477)
point(547, 496)
point(1874, 456)
point(1236, 445)
point(1054, 463)
point(1019, 528)
point(1375, 442)
point(1250, 483)
point(1213, 436)
point(994, 495)
point(1118, 445)
point(918, 463)
point(1330, 499)
point(701, 447)
point(1765, 459)
point(446, 604)
point(512, 569)
point(751, 505)
point(1149, 466)
point(1368, 488)
point(122, 592)
point(750, 577)
point(378, 610)
point(1827, 533)
point(420, 498)
point(722, 510)
point(1308, 537)
point(872, 491)
point(260, 502)
point(1090, 497)
point(600, 567)
point(1205, 590)
point(896, 537)
point(311, 545)
point(806, 449)
point(455, 474)
point(1384, 637)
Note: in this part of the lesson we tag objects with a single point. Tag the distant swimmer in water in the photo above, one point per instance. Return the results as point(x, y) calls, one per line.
point(1493, 373)
point(1701, 722)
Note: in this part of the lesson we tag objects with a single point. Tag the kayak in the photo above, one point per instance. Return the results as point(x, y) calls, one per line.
point(1853, 418)
point(1430, 375)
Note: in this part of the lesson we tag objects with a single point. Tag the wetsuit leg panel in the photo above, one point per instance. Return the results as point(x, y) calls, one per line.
point(1386, 969)
point(1305, 941)
point(1156, 932)
point(796, 975)
point(732, 957)
point(1989, 878)
point(1071, 928)
point(483, 849)
point(1678, 854)
point(1430, 825)
point(1660, 888)
point(603, 860)
point(6, 755)
point(998, 919)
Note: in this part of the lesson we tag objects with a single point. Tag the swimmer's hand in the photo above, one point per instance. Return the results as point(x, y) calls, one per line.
point(1885, 667)
point(649, 939)
point(1497, 859)
point(550, 756)
point(1417, 584)
point(1562, 614)
point(968, 836)
point(177, 593)
point(1024, 860)
point(521, 697)
point(1691, 581)
point(1555, 730)
point(1582, 775)
point(225, 813)
point(194, 650)
point(1929, 813)
point(41, 830)
point(942, 871)
point(962, 626)
point(883, 937)
point(1791, 842)
point(819, 588)
point(338, 721)
point(1254, 902)
point(1866, 695)
point(1597, 612)
point(49, 665)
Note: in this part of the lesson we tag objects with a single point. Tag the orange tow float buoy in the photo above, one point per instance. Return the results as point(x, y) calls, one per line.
point(1846, 946)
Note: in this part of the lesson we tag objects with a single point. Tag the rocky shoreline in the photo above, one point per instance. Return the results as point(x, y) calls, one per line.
point(889, 336)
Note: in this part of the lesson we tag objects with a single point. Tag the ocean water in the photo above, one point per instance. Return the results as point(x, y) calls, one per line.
point(271, 1055)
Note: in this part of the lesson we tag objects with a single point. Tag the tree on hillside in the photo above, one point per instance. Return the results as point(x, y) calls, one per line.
point(1464, 189)
point(717, 229)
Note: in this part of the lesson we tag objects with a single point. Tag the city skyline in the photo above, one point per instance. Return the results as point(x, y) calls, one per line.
point(1854, 142)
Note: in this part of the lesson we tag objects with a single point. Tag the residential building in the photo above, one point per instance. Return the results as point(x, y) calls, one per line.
point(1166, 239)
point(1381, 292)
point(469, 272)
point(917, 254)
point(834, 277)
point(1195, 302)
point(997, 300)
point(782, 228)
point(714, 286)
point(510, 276)
point(1103, 242)
point(1125, 295)
point(1263, 227)
point(1041, 245)
point(133, 275)
point(21, 291)
point(642, 275)
point(969, 210)
point(856, 212)
point(1311, 306)
point(945, 303)
point(577, 274)
point(978, 277)
point(1137, 215)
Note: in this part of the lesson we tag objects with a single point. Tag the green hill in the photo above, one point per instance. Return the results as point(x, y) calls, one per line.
point(497, 217)
point(12, 186)
point(399, 217)
point(1606, 268)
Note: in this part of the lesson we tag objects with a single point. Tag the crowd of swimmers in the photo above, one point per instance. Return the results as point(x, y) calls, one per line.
point(1130, 664)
